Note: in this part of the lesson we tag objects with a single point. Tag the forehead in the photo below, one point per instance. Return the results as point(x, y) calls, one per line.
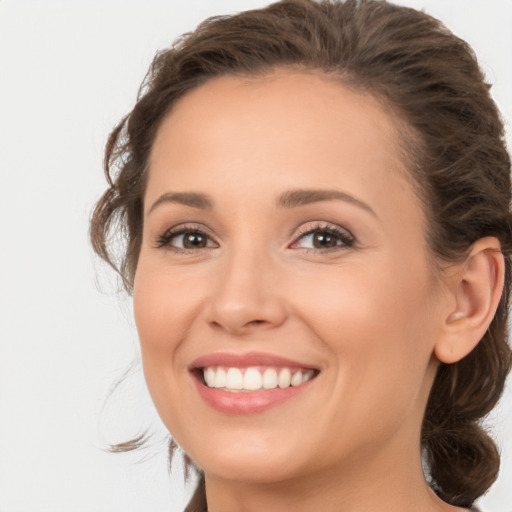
point(285, 128)
point(283, 97)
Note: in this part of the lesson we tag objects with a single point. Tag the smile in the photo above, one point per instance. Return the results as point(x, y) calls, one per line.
point(254, 378)
point(249, 383)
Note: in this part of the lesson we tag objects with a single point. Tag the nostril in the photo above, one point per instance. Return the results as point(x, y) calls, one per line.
point(255, 322)
point(244, 328)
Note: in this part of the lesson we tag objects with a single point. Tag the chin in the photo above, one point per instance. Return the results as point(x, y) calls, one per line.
point(254, 470)
point(247, 459)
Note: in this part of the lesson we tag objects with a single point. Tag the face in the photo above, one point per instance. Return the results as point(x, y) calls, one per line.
point(286, 308)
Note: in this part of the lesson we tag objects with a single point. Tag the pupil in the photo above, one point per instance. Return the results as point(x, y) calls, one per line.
point(193, 240)
point(322, 240)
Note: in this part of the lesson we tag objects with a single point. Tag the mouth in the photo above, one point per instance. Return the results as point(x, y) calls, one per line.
point(249, 383)
point(254, 378)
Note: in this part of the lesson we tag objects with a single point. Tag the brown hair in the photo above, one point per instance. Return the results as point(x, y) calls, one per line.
point(457, 158)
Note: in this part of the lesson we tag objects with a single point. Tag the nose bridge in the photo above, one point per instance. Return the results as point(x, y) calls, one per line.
point(246, 292)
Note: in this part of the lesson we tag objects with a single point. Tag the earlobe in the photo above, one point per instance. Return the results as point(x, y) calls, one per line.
point(477, 289)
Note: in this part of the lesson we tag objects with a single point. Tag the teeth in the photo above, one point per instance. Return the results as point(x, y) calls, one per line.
point(220, 378)
point(269, 379)
point(209, 377)
point(253, 379)
point(296, 378)
point(234, 379)
point(308, 375)
point(285, 378)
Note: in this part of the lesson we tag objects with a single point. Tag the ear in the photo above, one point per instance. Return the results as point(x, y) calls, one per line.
point(476, 287)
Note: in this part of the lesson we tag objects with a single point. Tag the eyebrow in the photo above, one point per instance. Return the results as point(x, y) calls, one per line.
point(289, 199)
point(192, 199)
point(295, 198)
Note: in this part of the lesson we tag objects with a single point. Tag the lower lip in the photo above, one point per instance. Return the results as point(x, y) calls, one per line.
point(247, 402)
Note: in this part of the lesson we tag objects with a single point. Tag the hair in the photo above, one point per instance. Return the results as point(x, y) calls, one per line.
point(456, 155)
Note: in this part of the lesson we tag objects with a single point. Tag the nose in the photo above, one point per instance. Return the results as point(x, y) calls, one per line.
point(246, 294)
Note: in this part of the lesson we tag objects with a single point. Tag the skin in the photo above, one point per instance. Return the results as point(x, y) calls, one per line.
point(370, 316)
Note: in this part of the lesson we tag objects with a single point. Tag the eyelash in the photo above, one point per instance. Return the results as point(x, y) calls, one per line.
point(166, 239)
point(342, 235)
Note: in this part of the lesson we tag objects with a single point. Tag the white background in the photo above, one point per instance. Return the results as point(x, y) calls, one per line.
point(68, 71)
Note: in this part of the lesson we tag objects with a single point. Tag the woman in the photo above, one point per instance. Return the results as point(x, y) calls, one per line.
point(315, 202)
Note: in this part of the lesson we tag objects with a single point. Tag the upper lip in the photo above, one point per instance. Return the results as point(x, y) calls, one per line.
point(233, 360)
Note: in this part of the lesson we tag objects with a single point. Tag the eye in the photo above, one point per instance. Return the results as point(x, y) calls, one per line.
point(324, 238)
point(186, 239)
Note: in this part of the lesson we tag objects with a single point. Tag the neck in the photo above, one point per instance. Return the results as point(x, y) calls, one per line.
point(375, 481)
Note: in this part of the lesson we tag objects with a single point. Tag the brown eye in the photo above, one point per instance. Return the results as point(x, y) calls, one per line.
point(194, 240)
point(324, 240)
point(186, 239)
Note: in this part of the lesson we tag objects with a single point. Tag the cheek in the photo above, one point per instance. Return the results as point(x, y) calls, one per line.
point(379, 332)
point(376, 323)
point(164, 306)
point(359, 297)
point(163, 310)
